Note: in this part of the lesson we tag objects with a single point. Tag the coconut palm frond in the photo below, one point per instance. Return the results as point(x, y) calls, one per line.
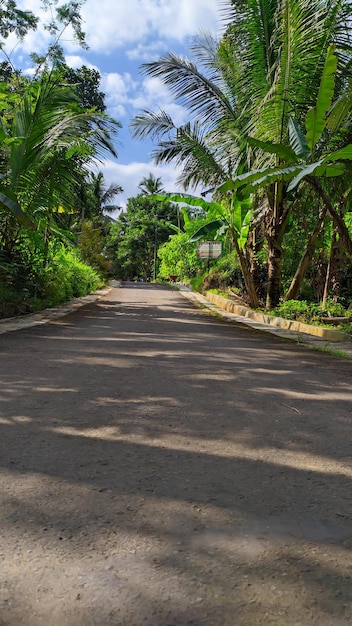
point(46, 122)
point(153, 125)
point(201, 96)
point(205, 49)
point(189, 150)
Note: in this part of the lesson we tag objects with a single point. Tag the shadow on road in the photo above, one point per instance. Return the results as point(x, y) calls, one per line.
point(149, 438)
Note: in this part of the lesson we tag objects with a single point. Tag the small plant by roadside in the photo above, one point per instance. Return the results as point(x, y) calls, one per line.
point(313, 313)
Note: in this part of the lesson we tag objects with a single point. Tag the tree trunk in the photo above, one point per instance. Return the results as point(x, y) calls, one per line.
point(338, 262)
point(247, 276)
point(254, 243)
point(275, 230)
point(336, 218)
point(274, 290)
point(333, 274)
point(306, 258)
point(328, 274)
point(319, 275)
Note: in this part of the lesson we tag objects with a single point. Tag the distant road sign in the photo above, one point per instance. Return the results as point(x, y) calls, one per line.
point(209, 250)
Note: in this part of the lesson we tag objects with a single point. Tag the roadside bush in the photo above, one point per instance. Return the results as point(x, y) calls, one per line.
point(26, 285)
point(226, 273)
point(305, 311)
point(179, 257)
point(68, 277)
point(196, 282)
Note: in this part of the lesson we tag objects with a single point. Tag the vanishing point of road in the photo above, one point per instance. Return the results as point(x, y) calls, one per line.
point(160, 466)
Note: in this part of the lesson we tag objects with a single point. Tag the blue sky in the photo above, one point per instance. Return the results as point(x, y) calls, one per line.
point(123, 34)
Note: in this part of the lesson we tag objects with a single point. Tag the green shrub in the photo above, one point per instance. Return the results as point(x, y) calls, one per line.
point(27, 285)
point(68, 277)
point(305, 311)
point(226, 273)
point(196, 282)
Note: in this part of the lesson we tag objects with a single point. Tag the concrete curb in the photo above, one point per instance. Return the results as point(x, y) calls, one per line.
point(341, 348)
point(329, 334)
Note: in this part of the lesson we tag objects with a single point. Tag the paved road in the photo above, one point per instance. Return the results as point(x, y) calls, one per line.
point(160, 466)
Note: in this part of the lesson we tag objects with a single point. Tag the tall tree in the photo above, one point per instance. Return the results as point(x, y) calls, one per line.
point(151, 185)
point(100, 200)
point(86, 84)
point(44, 148)
point(282, 48)
point(13, 19)
point(266, 69)
point(137, 235)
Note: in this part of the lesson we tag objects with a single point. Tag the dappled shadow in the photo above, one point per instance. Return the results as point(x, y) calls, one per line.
point(169, 446)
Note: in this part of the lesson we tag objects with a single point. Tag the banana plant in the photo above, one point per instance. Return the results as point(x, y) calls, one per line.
point(298, 162)
point(231, 217)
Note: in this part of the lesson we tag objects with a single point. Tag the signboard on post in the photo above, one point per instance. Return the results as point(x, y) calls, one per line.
point(209, 249)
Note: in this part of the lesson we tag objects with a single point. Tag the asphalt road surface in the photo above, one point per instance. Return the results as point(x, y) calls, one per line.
point(163, 467)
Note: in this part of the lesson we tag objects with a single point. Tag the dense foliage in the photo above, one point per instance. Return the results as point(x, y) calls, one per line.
point(269, 120)
point(137, 234)
point(267, 147)
point(53, 128)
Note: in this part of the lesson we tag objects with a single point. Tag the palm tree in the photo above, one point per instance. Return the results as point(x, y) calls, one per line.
point(45, 149)
point(151, 185)
point(266, 68)
point(205, 155)
point(279, 78)
point(211, 104)
point(103, 196)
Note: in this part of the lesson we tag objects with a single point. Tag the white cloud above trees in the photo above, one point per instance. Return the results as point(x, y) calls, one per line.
point(121, 36)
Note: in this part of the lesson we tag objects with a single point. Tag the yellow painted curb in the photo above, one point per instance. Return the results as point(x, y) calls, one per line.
point(318, 331)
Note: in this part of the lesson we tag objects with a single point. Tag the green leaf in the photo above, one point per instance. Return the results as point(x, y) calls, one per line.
point(172, 226)
point(315, 118)
point(240, 214)
point(340, 110)
point(244, 179)
point(11, 204)
point(192, 201)
point(306, 170)
point(209, 228)
point(273, 175)
point(340, 155)
point(285, 152)
point(331, 171)
point(298, 140)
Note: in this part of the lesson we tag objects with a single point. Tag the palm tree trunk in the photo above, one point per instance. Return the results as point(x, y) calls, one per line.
point(274, 289)
point(333, 275)
point(253, 246)
point(297, 280)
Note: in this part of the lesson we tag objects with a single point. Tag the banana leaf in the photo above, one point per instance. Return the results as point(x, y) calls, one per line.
point(285, 152)
point(316, 116)
point(297, 140)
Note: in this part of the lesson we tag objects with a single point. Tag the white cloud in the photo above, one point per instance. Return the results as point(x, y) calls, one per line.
point(118, 89)
point(154, 95)
point(147, 51)
point(110, 25)
point(129, 176)
point(75, 61)
point(126, 96)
